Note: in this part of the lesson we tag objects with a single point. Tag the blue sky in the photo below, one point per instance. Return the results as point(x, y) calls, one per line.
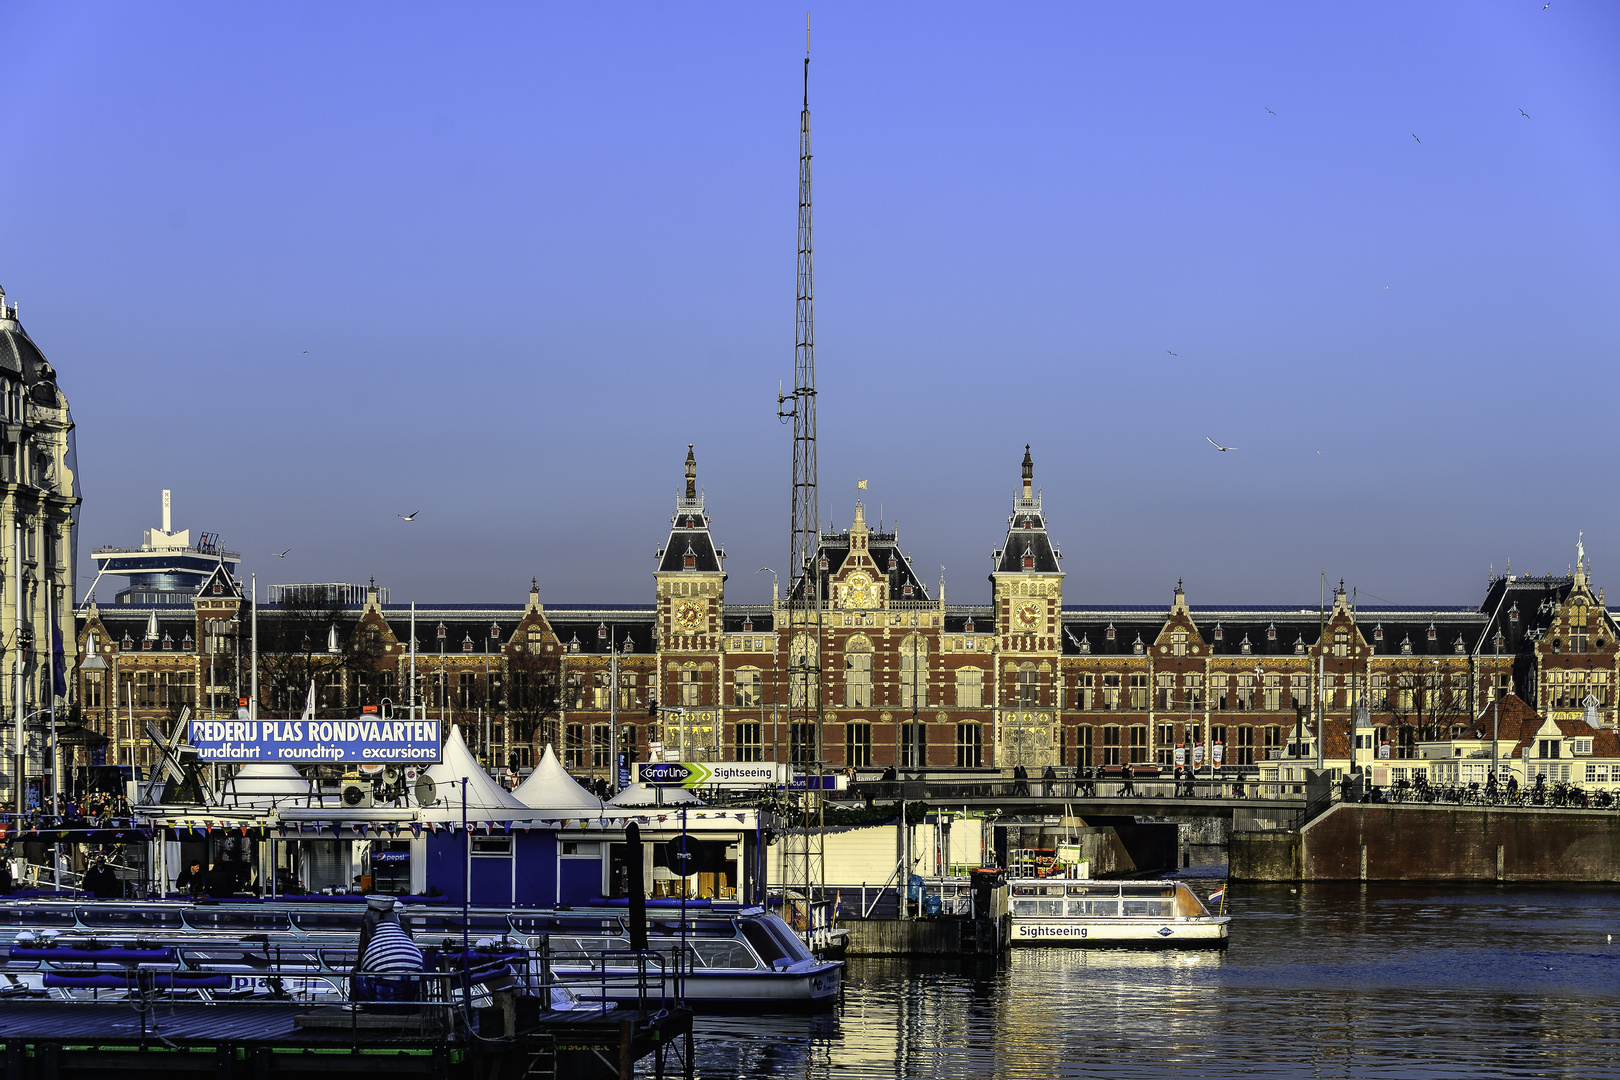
point(532, 251)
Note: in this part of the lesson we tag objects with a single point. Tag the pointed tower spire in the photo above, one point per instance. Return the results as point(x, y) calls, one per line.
point(691, 473)
point(1029, 474)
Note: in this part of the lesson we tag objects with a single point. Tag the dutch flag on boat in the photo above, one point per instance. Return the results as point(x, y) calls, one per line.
point(1218, 896)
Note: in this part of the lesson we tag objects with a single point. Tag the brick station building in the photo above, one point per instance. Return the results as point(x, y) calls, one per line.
point(907, 679)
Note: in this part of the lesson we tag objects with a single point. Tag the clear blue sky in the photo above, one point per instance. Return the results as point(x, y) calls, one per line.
point(532, 251)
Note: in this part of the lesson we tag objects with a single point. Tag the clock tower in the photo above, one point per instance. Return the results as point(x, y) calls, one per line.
point(1027, 588)
point(691, 599)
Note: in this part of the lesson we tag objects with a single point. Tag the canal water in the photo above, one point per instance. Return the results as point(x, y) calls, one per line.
point(1319, 980)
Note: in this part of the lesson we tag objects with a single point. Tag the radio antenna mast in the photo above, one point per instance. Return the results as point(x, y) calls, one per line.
point(803, 865)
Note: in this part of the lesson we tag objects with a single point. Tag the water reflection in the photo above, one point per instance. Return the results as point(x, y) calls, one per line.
point(1342, 980)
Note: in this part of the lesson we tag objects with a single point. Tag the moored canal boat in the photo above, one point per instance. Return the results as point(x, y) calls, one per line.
point(1112, 914)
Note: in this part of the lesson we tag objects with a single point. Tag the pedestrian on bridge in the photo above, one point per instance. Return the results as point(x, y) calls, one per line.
point(1127, 775)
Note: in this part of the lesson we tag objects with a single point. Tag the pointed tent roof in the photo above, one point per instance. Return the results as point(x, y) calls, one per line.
point(267, 784)
point(486, 800)
point(639, 794)
point(549, 787)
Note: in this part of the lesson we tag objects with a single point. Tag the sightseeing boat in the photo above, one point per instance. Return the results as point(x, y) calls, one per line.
point(1118, 914)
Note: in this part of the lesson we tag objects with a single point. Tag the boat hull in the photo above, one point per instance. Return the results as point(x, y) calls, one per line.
point(813, 989)
point(1197, 933)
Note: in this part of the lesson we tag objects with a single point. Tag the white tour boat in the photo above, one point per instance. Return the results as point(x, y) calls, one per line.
point(1130, 914)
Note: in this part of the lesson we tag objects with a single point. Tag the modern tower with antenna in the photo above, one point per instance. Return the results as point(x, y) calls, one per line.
point(803, 865)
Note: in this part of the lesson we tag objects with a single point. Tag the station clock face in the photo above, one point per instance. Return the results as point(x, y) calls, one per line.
point(689, 615)
point(1026, 615)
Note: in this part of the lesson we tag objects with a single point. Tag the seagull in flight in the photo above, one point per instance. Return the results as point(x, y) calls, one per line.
point(1417, 140)
point(1524, 114)
point(1270, 110)
point(1171, 353)
point(282, 554)
point(1218, 446)
point(408, 517)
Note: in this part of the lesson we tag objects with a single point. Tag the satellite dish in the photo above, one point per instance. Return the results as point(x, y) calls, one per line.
point(427, 792)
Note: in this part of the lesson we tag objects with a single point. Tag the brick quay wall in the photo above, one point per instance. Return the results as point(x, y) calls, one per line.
point(1381, 842)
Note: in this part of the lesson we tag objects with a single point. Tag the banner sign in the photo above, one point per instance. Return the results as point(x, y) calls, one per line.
point(691, 774)
point(829, 782)
point(369, 740)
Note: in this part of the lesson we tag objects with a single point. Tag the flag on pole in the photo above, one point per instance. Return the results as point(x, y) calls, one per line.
point(1218, 898)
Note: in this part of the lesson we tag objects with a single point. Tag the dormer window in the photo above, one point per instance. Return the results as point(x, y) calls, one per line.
point(168, 642)
point(907, 591)
point(1220, 635)
point(1246, 647)
point(1434, 634)
point(573, 644)
point(627, 645)
point(1378, 632)
point(748, 624)
point(968, 626)
point(1109, 633)
point(1085, 644)
point(1513, 612)
point(1299, 645)
point(1271, 632)
point(186, 643)
point(1458, 647)
point(467, 642)
point(494, 632)
point(690, 561)
point(218, 588)
point(442, 632)
point(1406, 646)
point(1137, 648)
point(1029, 558)
point(128, 642)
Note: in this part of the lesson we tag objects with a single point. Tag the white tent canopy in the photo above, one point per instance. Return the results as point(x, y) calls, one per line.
point(549, 787)
point(639, 794)
point(485, 799)
point(267, 784)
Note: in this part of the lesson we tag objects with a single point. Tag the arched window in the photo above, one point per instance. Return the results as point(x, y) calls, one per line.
point(914, 672)
point(804, 664)
point(858, 672)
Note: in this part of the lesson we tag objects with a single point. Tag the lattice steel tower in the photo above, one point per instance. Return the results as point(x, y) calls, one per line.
point(803, 866)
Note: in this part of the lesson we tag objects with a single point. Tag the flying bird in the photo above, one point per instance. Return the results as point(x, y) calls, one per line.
point(1171, 353)
point(1547, 5)
point(306, 350)
point(408, 517)
point(1218, 446)
point(1270, 110)
point(1417, 140)
point(1524, 114)
point(282, 554)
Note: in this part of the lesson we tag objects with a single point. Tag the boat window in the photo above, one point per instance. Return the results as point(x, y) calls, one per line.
point(1151, 909)
point(1105, 909)
point(708, 928)
point(561, 924)
point(236, 919)
point(727, 953)
point(43, 917)
point(789, 940)
point(329, 920)
point(129, 917)
point(1094, 890)
point(764, 943)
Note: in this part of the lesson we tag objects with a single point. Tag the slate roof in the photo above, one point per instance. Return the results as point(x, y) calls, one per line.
point(1278, 631)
